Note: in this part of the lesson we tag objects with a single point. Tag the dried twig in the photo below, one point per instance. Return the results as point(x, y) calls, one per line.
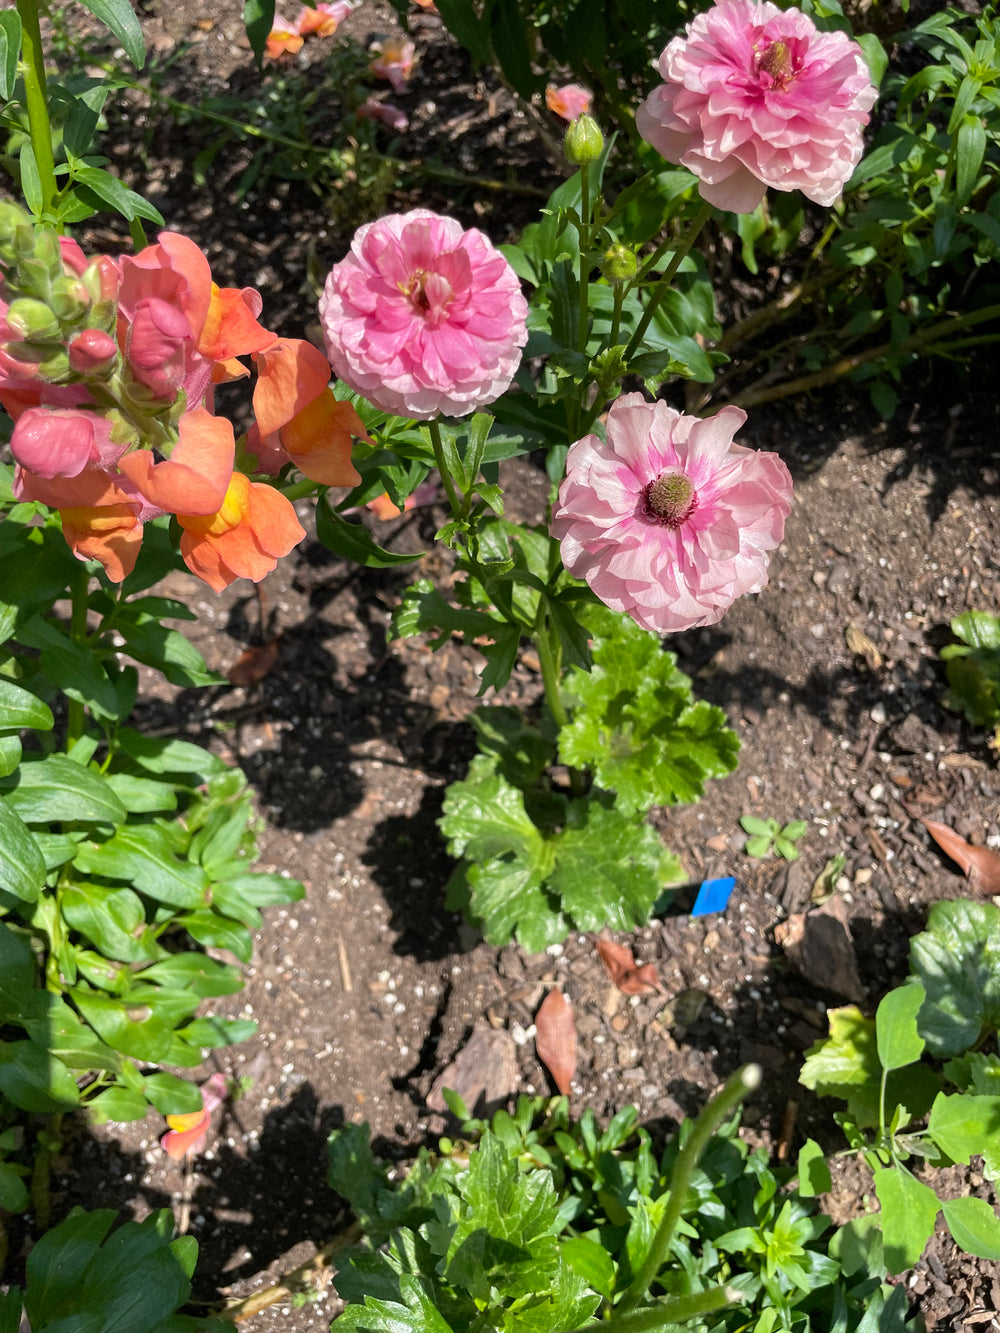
point(311, 1277)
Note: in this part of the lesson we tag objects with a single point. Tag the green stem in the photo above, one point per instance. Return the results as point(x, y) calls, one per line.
point(584, 281)
point(659, 291)
point(245, 128)
point(548, 657)
point(669, 1313)
point(298, 489)
point(39, 126)
point(79, 589)
point(454, 500)
point(616, 313)
point(718, 1109)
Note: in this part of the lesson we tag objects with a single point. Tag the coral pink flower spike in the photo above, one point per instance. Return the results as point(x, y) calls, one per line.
point(756, 96)
point(669, 520)
point(423, 317)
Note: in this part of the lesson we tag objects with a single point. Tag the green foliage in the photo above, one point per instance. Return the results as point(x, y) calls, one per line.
point(973, 668)
point(636, 725)
point(767, 835)
point(534, 1221)
point(84, 1277)
point(539, 857)
point(120, 858)
point(875, 1065)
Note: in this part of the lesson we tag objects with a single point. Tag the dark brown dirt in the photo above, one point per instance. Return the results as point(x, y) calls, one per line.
point(367, 990)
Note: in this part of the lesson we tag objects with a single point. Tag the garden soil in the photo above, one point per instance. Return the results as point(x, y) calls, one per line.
point(369, 995)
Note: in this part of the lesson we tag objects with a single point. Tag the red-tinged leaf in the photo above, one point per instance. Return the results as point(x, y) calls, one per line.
point(254, 664)
point(555, 1039)
point(622, 970)
point(980, 865)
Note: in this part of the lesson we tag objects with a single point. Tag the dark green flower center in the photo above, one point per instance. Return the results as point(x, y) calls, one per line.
point(670, 500)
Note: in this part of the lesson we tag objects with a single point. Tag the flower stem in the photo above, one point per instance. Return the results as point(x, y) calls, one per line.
point(39, 126)
point(718, 1109)
point(659, 291)
point(454, 501)
point(548, 657)
point(79, 589)
point(669, 1313)
point(584, 279)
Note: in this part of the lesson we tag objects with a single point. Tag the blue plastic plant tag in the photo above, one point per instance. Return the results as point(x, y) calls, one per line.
point(713, 896)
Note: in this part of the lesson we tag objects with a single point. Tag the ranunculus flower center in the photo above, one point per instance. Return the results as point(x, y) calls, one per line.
point(670, 500)
point(430, 294)
point(776, 60)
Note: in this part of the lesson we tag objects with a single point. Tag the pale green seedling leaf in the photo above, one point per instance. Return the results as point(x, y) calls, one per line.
point(813, 1172)
point(909, 1210)
point(899, 1042)
point(974, 1226)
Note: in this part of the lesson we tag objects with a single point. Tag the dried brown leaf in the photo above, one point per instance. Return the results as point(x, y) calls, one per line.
point(860, 645)
point(254, 664)
point(555, 1038)
point(980, 865)
point(622, 971)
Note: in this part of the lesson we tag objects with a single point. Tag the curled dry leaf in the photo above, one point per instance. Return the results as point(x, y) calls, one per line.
point(555, 1038)
point(980, 865)
point(254, 664)
point(620, 965)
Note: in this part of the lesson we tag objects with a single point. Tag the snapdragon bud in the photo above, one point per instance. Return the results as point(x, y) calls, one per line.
point(92, 352)
point(584, 142)
point(32, 320)
point(69, 299)
point(619, 264)
point(54, 366)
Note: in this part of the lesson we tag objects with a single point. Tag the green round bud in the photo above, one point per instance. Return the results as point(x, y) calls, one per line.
point(32, 320)
point(619, 264)
point(69, 299)
point(584, 142)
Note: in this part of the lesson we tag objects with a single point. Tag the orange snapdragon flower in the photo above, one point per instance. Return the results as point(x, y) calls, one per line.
point(297, 412)
point(253, 528)
point(100, 520)
point(283, 38)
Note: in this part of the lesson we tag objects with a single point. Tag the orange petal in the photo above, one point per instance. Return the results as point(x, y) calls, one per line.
point(291, 373)
point(280, 40)
point(231, 327)
point(191, 263)
point(191, 1120)
point(383, 508)
point(111, 534)
point(204, 561)
point(318, 440)
point(193, 480)
point(224, 372)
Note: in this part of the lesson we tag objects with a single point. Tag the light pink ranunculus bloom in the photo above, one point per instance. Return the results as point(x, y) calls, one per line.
point(756, 96)
point(669, 520)
point(423, 317)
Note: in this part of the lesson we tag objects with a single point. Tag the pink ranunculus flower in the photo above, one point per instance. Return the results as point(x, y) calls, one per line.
point(570, 101)
point(757, 96)
point(424, 318)
point(669, 520)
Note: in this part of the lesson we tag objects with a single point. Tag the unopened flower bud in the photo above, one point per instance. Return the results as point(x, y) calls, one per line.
point(92, 352)
point(69, 300)
point(48, 251)
point(102, 277)
point(12, 217)
point(584, 142)
point(619, 264)
point(31, 277)
point(32, 320)
point(54, 366)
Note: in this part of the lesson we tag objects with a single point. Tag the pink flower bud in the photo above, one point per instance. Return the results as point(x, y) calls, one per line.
point(92, 352)
point(157, 348)
point(103, 278)
point(61, 442)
